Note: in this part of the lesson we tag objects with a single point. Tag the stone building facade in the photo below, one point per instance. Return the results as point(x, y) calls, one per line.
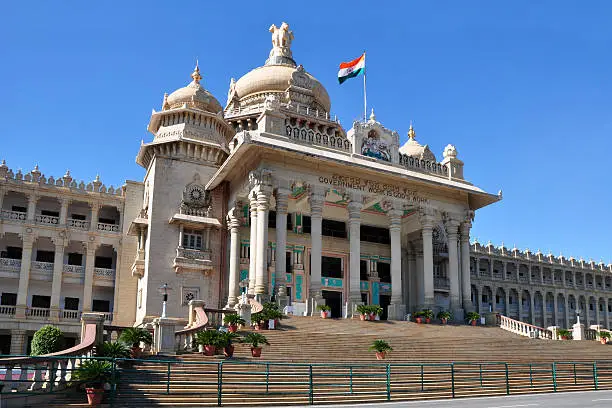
point(269, 195)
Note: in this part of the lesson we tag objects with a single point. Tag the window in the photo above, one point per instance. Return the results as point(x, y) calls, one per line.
point(41, 301)
point(510, 300)
point(192, 239)
point(75, 259)
point(496, 298)
point(331, 267)
point(271, 219)
point(78, 217)
point(288, 263)
point(375, 234)
point(49, 213)
point(106, 220)
point(11, 253)
point(19, 208)
point(364, 297)
point(289, 222)
point(45, 256)
point(485, 298)
point(332, 228)
point(103, 262)
point(306, 224)
point(8, 299)
point(71, 303)
point(363, 270)
point(384, 272)
point(590, 306)
point(101, 306)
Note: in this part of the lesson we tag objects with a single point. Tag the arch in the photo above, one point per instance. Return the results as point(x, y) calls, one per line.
point(486, 299)
point(526, 306)
point(500, 301)
point(475, 299)
point(538, 302)
point(561, 308)
point(513, 304)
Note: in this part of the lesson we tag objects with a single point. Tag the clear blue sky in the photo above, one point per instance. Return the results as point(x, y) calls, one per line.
point(522, 88)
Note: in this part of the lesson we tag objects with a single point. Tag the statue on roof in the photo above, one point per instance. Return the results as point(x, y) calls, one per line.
point(281, 36)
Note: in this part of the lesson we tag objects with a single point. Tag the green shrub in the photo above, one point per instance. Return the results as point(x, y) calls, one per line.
point(255, 339)
point(207, 338)
point(323, 308)
point(380, 346)
point(233, 318)
point(226, 339)
point(135, 335)
point(116, 349)
point(362, 309)
point(604, 335)
point(472, 316)
point(94, 373)
point(427, 313)
point(444, 315)
point(564, 333)
point(48, 339)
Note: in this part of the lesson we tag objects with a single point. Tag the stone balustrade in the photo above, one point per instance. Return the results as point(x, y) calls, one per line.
point(71, 314)
point(7, 310)
point(108, 227)
point(104, 273)
point(77, 269)
point(42, 266)
point(14, 215)
point(47, 219)
point(203, 255)
point(441, 283)
point(78, 224)
point(11, 265)
point(523, 329)
point(38, 312)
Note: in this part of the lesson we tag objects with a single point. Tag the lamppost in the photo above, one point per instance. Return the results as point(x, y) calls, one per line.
point(163, 289)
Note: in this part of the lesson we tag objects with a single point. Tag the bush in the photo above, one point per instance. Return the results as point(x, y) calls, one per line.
point(94, 373)
point(323, 308)
point(380, 346)
point(427, 313)
point(564, 333)
point(444, 315)
point(48, 339)
point(472, 316)
point(233, 318)
point(135, 335)
point(117, 349)
point(207, 337)
point(255, 339)
point(226, 339)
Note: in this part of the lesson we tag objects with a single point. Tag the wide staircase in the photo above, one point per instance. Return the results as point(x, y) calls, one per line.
point(312, 360)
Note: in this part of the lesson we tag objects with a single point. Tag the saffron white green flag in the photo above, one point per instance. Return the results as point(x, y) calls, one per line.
point(351, 69)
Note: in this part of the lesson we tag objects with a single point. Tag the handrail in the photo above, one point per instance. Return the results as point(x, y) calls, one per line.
point(256, 307)
point(523, 329)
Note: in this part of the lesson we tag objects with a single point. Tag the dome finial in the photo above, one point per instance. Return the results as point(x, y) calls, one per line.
point(281, 45)
point(372, 116)
point(196, 73)
point(411, 132)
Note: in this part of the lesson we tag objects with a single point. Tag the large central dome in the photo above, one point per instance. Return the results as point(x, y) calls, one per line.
point(281, 77)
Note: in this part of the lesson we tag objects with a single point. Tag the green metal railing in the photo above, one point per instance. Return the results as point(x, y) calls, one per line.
point(228, 381)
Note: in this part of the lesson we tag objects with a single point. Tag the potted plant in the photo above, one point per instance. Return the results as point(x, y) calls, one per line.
point(257, 320)
point(428, 314)
point(444, 316)
point(233, 320)
point(564, 334)
point(380, 347)
point(255, 340)
point(375, 311)
point(93, 374)
point(418, 317)
point(271, 312)
point(604, 336)
point(363, 311)
point(207, 341)
point(473, 317)
point(325, 311)
point(225, 341)
point(117, 349)
point(134, 336)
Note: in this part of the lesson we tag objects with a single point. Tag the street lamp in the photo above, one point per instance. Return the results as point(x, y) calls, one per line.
point(163, 289)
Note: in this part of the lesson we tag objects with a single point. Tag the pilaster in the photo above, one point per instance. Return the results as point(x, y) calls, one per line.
point(253, 243)
point(56, 286)
point(24, 275)
point(90, 254)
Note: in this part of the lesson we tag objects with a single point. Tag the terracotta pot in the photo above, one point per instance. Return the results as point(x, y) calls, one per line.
point(603, 341)
point(228, 351)
point(380, 355)
point(94, 396)
point(473, 322)
point(362, 317)
point(419, 320)
point(324, 314)
point(372, 316)
point(276, 323)
point(444, 320)
point(232, 328)
point(209, 350)
point(219, 350)
point(257, 326)
point(136, 352)
point(428, 320)
point(564, 338)
point(256, 351)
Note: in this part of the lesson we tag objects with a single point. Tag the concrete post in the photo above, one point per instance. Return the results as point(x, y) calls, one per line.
point(164, 341)
point(93, 318)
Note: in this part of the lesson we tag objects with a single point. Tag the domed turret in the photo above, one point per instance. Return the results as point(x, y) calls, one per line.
point(193, 95)
point(415, 149)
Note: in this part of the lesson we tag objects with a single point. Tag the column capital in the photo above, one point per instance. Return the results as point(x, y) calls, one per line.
point(233, 218)
point(282, 199)
point(317, 202)
point(465, 230)
point(354, 209)
point(263, 199)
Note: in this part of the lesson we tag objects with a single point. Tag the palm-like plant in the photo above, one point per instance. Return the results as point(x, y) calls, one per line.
point(94, 373)
point(444, 315)
point(207, 337)
point(255, 339)
point(233, 319)
point(116, 349)
point(135, 336)
point(380, 346)
point(472, 316)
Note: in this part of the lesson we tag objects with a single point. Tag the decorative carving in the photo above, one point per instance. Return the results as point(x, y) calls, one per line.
point(196, 199)
point(188, 294)
point(281, 36)
point(373, 146)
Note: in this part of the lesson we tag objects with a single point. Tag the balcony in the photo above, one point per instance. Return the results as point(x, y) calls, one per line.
point(74, 269)
point(108, 227)
point(192, 260)
point(41, 270)
point(104, 277)
point(39, 313)
point(7, 310)
point(14, 215)
point(523, 279)
point(442, 283)
point(46, 219)
point(9, 268)
point(78, 224)
point(71, 314)
point(138, 266)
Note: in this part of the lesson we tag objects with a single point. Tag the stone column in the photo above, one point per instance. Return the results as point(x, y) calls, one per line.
point(427, 223)
point(555, 315)
point(253, 244)
point(354, 224)
point(452, 235)
point(505, 270)
point(2, 194)
point(507, 301)
point(419, 301)
point(56, 286)
point(181, 234)
point(233, 224)
point(63, 211)
point(24, 276)
point(261, 270)
point(520, 304)
point(397, 308)
point(282, 202)
point(18, 342)
point(32, 199)
point(95, 208)
point(317, 201)
point(532, 307)
point(90, 250)
point(529, 273)
point(466, 284)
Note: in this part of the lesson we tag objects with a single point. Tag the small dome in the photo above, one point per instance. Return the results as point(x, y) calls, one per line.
point(194, 95)
point(415, 149)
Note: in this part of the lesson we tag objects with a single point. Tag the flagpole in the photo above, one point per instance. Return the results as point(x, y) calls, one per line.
point(365, 99)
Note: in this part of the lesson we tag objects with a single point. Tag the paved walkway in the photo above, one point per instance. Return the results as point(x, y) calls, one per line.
point(590, 399)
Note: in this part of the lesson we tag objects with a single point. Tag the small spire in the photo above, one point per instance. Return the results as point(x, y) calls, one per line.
point(411, 132)
point(196, 73)
point(372, 116)
point(165, 102)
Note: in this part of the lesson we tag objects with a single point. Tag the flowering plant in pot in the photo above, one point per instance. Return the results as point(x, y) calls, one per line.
point(134, 336)
point(604, 336)
point(473, 317)
point(207, 341)
point(233, 320)
point(325, 311)
point(564, 334)
point(418, 317)
point(444, 315)
point(225, 340)
point(93, 374)
point(255, 340)
point(428, 314)
point(363, 311)
point(380, 347)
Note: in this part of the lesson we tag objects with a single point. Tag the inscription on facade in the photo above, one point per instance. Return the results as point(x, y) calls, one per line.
point(373, 187)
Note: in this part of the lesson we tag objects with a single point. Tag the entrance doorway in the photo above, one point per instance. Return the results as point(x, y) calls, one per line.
point(385, 300)
point(333, 300)
point(5, 344)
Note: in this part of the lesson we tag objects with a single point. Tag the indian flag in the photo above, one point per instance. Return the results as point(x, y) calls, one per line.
point(352, 69)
